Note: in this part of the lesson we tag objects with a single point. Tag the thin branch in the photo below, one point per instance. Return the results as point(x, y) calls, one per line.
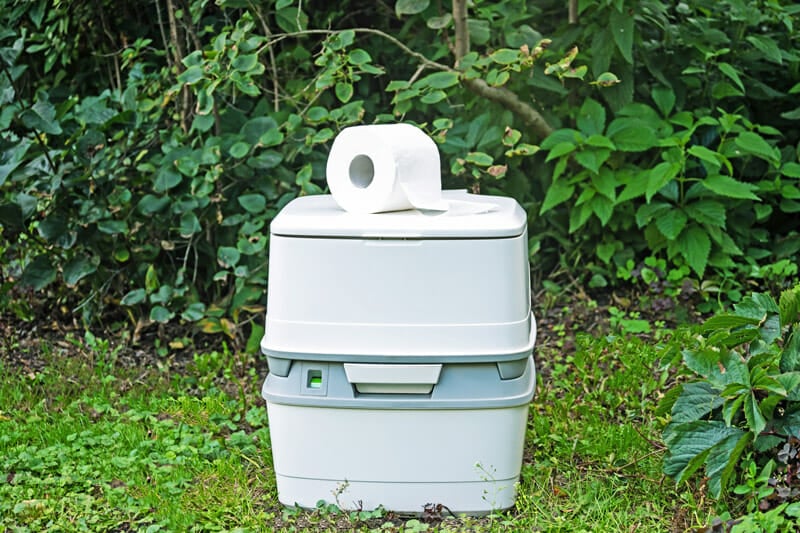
point(573, 11)
point(461, 30)
point(272, 63)
point(509, 99)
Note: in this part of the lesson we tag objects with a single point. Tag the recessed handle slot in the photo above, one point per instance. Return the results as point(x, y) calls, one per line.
point(392, 378)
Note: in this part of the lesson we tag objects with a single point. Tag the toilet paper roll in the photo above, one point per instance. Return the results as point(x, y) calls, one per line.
point(385, 167)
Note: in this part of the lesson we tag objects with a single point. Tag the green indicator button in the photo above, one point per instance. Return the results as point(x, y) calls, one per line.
point(315, 382)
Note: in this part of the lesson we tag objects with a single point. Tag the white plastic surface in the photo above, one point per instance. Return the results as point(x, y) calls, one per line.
point(320, 216)
point(398, 297)
point(392, 378)
point(468, 460)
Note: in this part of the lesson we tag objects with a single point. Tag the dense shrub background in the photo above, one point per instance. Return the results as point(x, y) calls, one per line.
point(145, 145)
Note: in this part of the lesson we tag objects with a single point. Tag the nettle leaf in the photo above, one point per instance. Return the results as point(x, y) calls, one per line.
point(727, 186)
point(671, 223)
point(592, 159)
point(592, 117)
point(664, 98)
point(789, 306)
point(559, 192)
point(732, 74)
point(710, 212)
point(689, 445)
point(631, 135)
point(621, 26)
point(753, 143)
point(722, 461)
point(696, 400)
point(695, 246)
point(659, 176)
point(410, 7)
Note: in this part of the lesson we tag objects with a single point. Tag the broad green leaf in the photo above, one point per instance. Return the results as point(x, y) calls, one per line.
point(578, 216)
point(239, 149)
point(661, 174)
point(692, 440)
point(752, 413)
point(191, 75)
point(166, 179)
point(631, 135)
point(292, 19)
point(78, 268)
point(707, 156)
point(767, 46)
point(790, 380)
point(709, 212)
point(396, 85)
point(133, 297)
point(789, 306)
point(671, 223)
point(559, 150)
point(753, 143)
point(344, 91)
point(257, 127)
point(592, 159)
point(722, 460)
point(410, 7)
point(728, 321)
point(358, 56)
point(189, 224)
point(150, 204)
point(160, 314)
point(112, 227)
point(228, 256)
point(695, 246)
point(664, 98)
point(52, 227)
point(790, 357)
point(732, 74)
point(606, 184)
point(433, 97)
point(603, 208)
point(38, 274)
point(622, 28)
point(438, 23)
point(253, 203)
point(479, 31)
point(696, 400)
point(440, 80)
point(727, 186)
point(504, 56)
point(194, 312)
point(648, 212)
point(559, 192)
point(592, 118)
point(41, 116)
point(479, 158)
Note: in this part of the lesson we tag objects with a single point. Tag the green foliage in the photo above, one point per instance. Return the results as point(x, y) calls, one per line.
point(142, 155)
point(746, 391)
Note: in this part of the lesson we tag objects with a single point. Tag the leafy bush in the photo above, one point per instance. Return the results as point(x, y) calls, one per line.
point(744, 395)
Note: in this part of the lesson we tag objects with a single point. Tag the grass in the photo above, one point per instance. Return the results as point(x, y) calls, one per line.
point(87, 444)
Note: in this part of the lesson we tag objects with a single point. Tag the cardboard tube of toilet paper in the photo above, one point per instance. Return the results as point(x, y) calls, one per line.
point(385, 167)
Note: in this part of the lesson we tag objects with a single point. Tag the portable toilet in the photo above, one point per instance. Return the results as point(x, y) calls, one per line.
point(400, 354)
